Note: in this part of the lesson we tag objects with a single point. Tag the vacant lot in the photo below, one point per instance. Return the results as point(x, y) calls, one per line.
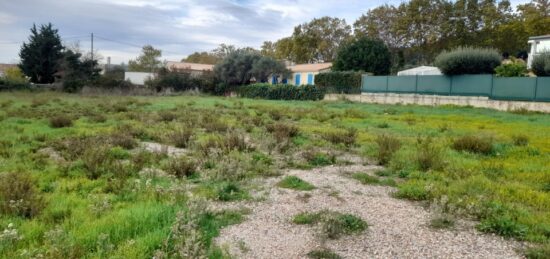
point(136, 177)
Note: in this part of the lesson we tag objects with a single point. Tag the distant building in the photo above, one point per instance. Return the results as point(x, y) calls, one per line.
point(4, 67)
point(193, 68)
point(539, 44)
point(138, 78)
point(302, 74)
point(421, 70)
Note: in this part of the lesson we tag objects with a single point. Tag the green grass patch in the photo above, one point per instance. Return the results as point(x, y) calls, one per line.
point(295, 183)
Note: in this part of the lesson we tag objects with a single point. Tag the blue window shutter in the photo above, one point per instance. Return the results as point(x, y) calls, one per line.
point(309, 79)
point(298, 79)
point(274, 80)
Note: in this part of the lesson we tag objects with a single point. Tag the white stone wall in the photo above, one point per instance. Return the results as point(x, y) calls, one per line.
point(435, 100)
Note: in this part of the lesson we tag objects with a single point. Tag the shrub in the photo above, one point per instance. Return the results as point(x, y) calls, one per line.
point(428, 154)
point(364, 54)
point(503, 225)
point(541, 64)
point(181, 137)
point(333, 224)
point(520, 140)
point(282, 92)
point(231, 192)
point(346, 137)
point(540, 252)
point(181, 167)
point(293, 182)
point(122, 140)
point(97, 161)
point(60, 121)
point(323, 254)
point(366, 178)
point(387, 146)
point(282, 131)
point(318, 159)
point(474, 144)
point(346, 82)
point(516, 69)
point(235, 141)
point(18, 195)
point(468, 60)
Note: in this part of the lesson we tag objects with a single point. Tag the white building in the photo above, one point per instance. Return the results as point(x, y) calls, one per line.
point(539, 44)
point(138, 78)
point(421, 70)
point(302, 74)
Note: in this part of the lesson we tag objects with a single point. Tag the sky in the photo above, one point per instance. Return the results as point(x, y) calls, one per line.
point(177, 27)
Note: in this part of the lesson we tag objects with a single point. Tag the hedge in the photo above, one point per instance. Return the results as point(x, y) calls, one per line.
point(347, 82)
point(281, 92)
point(467, 60)
point(541, 64)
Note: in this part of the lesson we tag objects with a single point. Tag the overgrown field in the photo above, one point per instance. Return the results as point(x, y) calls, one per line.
point(76, 181)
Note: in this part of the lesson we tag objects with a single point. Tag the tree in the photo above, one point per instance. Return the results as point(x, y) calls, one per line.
point(148, 61)
point(15, 75)
point(77, 70)
point(41, 55)
point(202, 58)
point(364, 54)
point(268, 49)
point(239, 67)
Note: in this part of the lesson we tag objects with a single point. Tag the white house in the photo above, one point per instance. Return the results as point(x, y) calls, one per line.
point(302, 74)
point(539, 44)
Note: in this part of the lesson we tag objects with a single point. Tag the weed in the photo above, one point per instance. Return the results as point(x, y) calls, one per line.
point(235, 141)
point(18, 195)
point(366, 178)
point(429, 156)
point(503, 225)
point(442, 222)
point(346, 137)
point(323, 254)
point(315, 158)
point(387, 146)
point(181, 138)
point(167, 116)
point(293, 182)
point(122, 140)
point(332, 224)
point(97, 161)
point(181, 167)
point(520, 140)
point(474, 144)
point(231, 192)
point(97, 118)
point(60, 121)
point(538, 252)
point(282, 131)
point(412, 190)
point(383, 125)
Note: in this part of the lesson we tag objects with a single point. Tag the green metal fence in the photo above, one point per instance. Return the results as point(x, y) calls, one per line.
point(498, 88)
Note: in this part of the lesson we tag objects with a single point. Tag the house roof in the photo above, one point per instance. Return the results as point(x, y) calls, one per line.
point(310, 67)
point(543, 37)
point(189, 66)
point(421, 70)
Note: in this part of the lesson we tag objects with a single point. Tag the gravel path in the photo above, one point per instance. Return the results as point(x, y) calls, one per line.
point(397, 228)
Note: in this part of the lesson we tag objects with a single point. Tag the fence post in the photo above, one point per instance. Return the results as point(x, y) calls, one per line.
point(387, 83)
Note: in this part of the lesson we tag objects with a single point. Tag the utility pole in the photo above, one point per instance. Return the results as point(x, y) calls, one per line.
point(92, 46)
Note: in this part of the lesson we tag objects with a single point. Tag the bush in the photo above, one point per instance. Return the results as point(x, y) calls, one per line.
point(282, 92)
point(18, 195)
point(467, 60)
point(541, 64)
point(181, 167)
point(333, 224)
point(428, 154)
point(511, 70)
point(520, 140)
point(346, 137)
point(181, 137)
point(183, 80)
point(293, 182)
point(346, 82)
point(60, 121)
point(282, 131)
point(387, 146)
point(474, 144)
point(364, 54)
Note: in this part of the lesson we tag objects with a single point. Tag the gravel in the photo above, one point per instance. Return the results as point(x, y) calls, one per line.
point(397, 228)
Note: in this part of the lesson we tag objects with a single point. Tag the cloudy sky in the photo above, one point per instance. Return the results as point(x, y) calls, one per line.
point(178, 27)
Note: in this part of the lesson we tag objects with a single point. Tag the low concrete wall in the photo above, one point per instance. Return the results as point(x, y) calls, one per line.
point(434, 100)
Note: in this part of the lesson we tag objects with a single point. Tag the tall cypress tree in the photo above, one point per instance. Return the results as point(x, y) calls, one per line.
point(41, 56)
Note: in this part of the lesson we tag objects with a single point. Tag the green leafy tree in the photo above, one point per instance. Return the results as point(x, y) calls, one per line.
point(148, 61)
point(364, 54)
point(239, 67)
point(77, 70)
point(268, 49)
point(40, 57)
point(202, 58)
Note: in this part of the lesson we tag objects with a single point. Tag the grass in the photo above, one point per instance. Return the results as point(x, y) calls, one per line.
point(295, 183)
point(103, 200)
point(323, 254)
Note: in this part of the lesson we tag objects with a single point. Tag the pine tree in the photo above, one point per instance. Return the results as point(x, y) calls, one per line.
point(41, 56)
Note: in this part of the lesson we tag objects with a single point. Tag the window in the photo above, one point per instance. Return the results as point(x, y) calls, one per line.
point(310, 79)
point(297, 79)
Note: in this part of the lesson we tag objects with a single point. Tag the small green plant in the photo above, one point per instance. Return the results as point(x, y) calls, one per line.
point(181, 138)
point(515, 69)
point(282, 131)
point(293, 182)
point(503, 225)
point(538, 252)
point(442, 222)
point(429, 156)
point(412, 190)
point(60, 121)
point(366, 178)
point(332, 224)
point(18, 195)
point(387, 146)
point(122, 140)
point(318, 159)
point(323, 254)
point(230, 192)
point(474, 144)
